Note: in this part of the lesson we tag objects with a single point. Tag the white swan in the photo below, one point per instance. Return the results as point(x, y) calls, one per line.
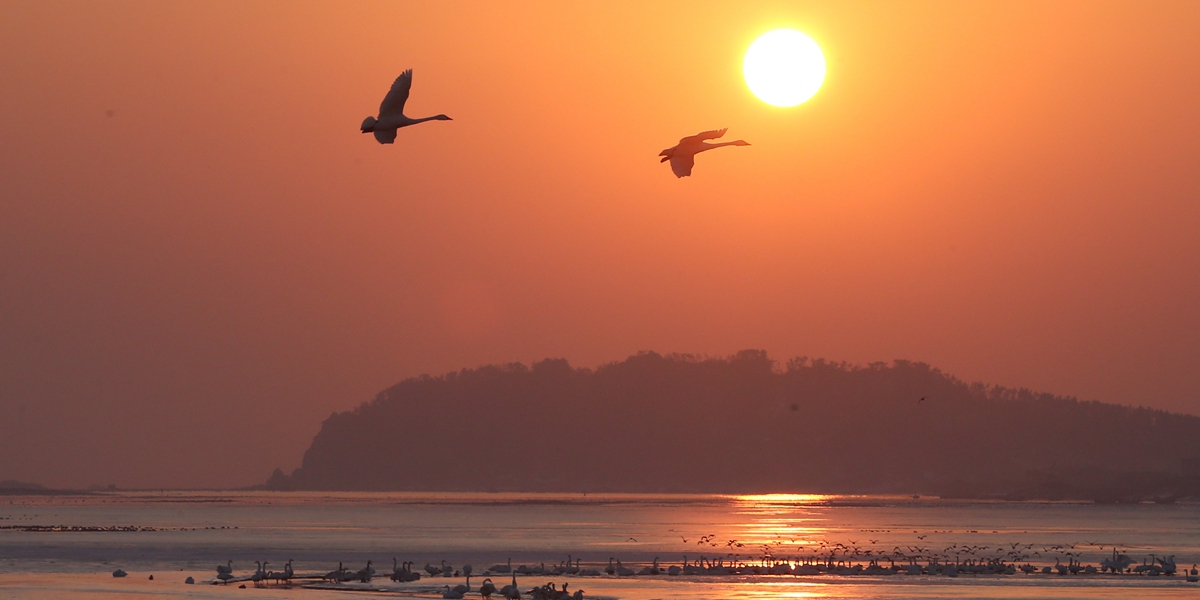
point(1168, 564)
point(623, 571)
point(364, 574)
point(452, 594)
point(464, 588)
point(283, 575)
point(589, 572)
point(505, 568)
point(335, 575)
point(404, 572)
point(652, 569)
point(391, 112)
point(225, 568)
point(487, 588)
point(511, 591)
point(683, 154)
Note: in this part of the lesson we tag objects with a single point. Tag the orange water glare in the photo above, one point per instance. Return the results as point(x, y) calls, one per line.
point(784, 522)
point(790, 499)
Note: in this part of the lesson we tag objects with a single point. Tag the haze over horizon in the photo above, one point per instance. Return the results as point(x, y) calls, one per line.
point(201, 257)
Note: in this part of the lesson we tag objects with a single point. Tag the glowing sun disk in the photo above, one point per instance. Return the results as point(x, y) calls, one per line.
point(784, 67)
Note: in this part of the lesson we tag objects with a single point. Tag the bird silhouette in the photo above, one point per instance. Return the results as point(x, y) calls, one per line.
point(683, 154)
point(391, 112)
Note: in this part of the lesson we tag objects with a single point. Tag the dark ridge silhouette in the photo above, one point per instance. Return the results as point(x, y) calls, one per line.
point(12, 487)
point(680, 423)
point(13, 484)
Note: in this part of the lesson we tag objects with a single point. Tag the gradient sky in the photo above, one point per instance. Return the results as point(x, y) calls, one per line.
point(189, 286)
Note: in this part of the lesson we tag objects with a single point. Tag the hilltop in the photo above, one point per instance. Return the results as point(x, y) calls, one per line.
point(680, 423)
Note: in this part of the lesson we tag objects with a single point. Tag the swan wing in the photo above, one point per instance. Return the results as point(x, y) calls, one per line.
point(681, 164)
point(705, 135)
point(385, 136)
point(393, 103)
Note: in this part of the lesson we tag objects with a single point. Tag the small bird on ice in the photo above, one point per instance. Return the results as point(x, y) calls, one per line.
point(391, 112)
point(683, 154)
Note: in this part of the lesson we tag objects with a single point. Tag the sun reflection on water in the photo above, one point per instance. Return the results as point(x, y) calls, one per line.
point(788, 499)
point(778, 525)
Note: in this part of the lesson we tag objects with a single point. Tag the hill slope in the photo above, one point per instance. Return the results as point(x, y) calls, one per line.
point(678, 423)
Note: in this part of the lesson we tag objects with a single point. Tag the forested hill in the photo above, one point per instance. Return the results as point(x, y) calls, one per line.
point(678, 423)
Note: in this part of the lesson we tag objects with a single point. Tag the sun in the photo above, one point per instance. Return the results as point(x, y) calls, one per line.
point(784, 67)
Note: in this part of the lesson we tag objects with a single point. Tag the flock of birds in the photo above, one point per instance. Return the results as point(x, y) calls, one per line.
point(391, 118)
point(838, 558)
point(403, 572)
point(825, 558)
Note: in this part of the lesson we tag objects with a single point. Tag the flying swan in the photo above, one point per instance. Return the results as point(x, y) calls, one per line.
point(391, 112)
point(683, 154)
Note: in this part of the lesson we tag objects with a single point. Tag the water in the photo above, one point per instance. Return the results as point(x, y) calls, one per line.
point(176, 534)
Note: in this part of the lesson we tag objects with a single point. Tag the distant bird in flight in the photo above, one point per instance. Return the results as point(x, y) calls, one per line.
point(683, 154)
point(391, 112)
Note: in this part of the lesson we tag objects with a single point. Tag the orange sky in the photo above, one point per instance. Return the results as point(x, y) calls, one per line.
point(188, 287)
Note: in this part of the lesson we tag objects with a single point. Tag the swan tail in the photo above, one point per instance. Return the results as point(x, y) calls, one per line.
point(368, 124)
